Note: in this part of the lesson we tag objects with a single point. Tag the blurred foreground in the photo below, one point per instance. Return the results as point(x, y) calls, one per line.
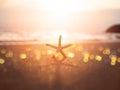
point(89, 66)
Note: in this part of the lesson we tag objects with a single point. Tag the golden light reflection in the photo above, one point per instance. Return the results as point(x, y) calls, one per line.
point(50, 52)
point(3, 51)
point(98, 57)
point(80, 48)
point(2, 61)
point(28, 49)
point(37, 54)
point(107, 51)
point(118, 59)
point(70, 55)
point(86, 57)
point(113, 59)
point(23, 56)
point(9, 54)
point(113, 63)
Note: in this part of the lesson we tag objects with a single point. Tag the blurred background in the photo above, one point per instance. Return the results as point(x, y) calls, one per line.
point(88, 16)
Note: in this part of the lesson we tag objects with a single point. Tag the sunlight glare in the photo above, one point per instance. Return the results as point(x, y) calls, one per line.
point(56, 33)
point(62, 6)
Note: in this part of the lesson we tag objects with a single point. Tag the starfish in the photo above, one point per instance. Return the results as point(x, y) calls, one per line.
point(59, 48)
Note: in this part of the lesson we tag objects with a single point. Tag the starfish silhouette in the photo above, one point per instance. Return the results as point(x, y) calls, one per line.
point(59, 48)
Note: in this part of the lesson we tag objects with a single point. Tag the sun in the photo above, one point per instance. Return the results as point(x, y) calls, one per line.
point(61, 6)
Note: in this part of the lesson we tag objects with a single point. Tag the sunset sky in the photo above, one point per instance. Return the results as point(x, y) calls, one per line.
point(69, 15)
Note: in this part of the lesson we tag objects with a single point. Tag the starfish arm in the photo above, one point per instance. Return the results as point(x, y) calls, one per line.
point(63, 54)
point(66, 46)
point(51, 46)
point(59, 41)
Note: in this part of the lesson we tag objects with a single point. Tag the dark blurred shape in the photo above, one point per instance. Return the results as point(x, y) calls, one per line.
point(114, 29)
